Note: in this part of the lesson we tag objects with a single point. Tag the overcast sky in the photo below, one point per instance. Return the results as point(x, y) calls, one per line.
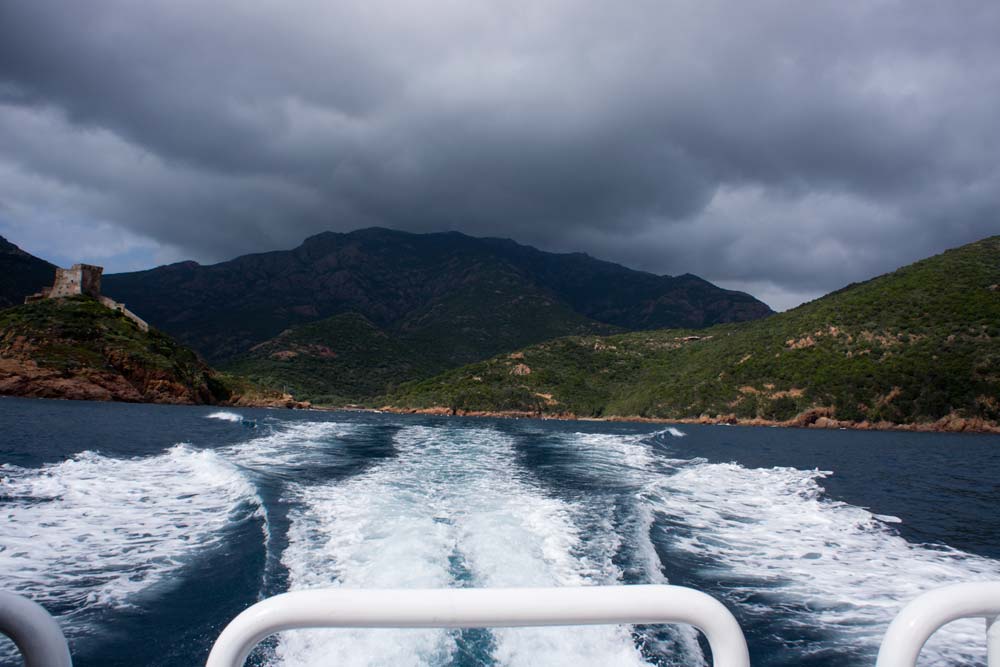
point(783, 148)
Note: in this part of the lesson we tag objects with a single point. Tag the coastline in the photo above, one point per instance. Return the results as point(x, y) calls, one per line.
point(819, 418)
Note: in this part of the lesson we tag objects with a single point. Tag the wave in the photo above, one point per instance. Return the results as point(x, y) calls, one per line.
point(290, 446)
point(452, 509)
point(672, 430)
point(225, 415)
point(92, 532)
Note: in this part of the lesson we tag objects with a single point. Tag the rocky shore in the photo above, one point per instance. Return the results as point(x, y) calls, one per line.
point(818, 418)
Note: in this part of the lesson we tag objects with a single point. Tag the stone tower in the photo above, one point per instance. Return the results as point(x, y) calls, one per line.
point(80, 279)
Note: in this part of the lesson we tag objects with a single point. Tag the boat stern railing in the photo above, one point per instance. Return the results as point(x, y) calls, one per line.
point(483, 608)
point(42, 644)
point(35, 633)
point(927, 614)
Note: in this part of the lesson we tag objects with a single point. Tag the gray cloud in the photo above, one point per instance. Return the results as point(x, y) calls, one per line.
point(785, 149)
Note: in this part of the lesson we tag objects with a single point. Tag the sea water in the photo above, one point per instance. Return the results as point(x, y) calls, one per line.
point(145, 529)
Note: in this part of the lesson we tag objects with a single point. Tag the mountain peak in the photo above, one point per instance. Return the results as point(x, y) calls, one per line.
point(186, 264)
point(379, 232)
point(363, 233)
point(321, 236)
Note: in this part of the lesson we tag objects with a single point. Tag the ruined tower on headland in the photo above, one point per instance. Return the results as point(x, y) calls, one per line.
point(81, 279)
point(84, 279)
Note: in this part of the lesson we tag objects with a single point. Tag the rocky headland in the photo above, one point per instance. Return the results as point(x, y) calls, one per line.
point(77, 348)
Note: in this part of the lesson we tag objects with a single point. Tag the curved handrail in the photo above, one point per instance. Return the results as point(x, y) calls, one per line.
point(483, 608)
point(925, 615)
point(35, 633)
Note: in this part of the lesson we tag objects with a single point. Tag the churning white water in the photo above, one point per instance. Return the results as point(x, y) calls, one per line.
point(452, 508)
point(93, 531)
point(776, 538)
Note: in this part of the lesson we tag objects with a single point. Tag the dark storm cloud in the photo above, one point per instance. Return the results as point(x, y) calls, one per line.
point(785, 148)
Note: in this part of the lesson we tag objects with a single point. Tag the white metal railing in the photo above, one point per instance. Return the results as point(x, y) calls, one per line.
point(924, 616)
point(483, 608)
point(35, 633)
point(42, 643)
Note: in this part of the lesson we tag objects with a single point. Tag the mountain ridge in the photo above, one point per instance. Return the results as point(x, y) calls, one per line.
point(443, 287)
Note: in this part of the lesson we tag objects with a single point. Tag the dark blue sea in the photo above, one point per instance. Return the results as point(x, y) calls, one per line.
point(145, 529)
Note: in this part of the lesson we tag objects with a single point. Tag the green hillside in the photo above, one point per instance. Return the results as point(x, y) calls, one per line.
point(913, 346)
point(342, 359)
point(77, 348)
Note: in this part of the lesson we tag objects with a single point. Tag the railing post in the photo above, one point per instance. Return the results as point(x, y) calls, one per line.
point(993, 641)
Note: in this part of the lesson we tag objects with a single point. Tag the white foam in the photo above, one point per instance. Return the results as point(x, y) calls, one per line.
point(672, 430)
point(775, 537)
point(93, 531)
point(453, 508)
point(225, 415)
point(290, 445)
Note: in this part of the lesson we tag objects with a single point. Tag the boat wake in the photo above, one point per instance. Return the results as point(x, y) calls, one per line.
point(813, 581)
point(783, 554)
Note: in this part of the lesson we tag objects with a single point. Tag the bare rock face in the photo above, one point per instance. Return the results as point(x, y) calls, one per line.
point(825, 422)
point(270, 401)
point(24, 377)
